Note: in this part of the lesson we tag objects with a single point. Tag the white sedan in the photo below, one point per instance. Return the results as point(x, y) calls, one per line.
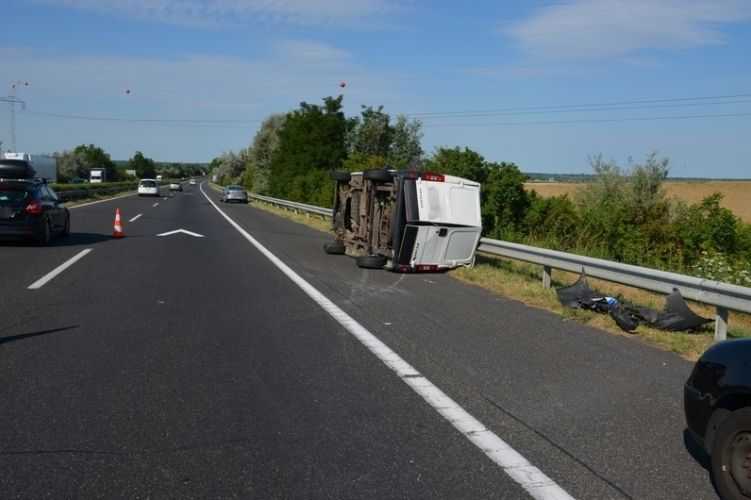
point(148, 187)
point(175, 186)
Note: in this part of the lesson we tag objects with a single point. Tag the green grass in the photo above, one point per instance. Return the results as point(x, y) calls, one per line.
point(522, 282)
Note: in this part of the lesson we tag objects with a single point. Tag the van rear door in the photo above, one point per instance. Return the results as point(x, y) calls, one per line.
point(448, 200)
point(444, 246)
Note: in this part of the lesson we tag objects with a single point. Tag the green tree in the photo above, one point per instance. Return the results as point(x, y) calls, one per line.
point(505, 202)
point(461, 163)
point(265, 143)
point(405, 150)
point(311, 143)
point(145, 167)
point(80, 161)
point(371, 134)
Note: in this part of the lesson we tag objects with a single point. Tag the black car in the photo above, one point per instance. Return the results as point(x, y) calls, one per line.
point(717, 403)
point(30, 209)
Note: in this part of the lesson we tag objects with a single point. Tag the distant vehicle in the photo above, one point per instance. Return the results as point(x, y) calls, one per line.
point(406, 221)
point(45, 167)
point(159, 177)
point(717, 404)
point(30, 209)
point(192, 182)
point(148, 187)
point(175, 186)
point(234, 193)
point(98, 175)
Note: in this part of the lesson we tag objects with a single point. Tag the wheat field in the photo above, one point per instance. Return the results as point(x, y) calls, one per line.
point(737, 194)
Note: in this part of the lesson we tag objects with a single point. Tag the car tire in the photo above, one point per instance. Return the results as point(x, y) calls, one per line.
point(371, 261)
point(66, 227)
point(378, 175)
point(44, 235)
point(730, 451)
point(334, 248)
point(342, 177)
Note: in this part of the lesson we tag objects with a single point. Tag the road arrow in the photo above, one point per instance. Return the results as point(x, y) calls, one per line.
point(176, 231)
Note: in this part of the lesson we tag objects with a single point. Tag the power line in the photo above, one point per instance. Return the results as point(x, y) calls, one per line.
point(490, 114)
point(604, 120)
point(197, 121)
point(582, 107)
point(644, 104)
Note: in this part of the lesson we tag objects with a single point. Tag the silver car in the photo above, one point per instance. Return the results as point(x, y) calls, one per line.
point(234, 193)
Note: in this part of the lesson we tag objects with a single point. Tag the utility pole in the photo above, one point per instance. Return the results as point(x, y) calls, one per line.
point(13, 100)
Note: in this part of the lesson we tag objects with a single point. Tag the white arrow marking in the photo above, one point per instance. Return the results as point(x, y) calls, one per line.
point(176, 231)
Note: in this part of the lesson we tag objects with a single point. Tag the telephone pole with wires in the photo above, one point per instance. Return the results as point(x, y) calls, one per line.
point(12, 100)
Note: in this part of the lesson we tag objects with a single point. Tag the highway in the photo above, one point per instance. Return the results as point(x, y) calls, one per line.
point(246, 363)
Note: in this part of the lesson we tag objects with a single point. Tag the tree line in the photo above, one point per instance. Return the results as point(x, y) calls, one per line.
point(622, 214)
point(76, 164)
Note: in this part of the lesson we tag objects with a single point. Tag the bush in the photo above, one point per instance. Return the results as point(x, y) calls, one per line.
point(553, 222)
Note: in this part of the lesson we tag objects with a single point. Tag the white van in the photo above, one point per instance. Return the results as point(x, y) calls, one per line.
point(406, 221)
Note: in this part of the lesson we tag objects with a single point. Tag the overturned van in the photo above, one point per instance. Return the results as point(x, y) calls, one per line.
point(406, 221)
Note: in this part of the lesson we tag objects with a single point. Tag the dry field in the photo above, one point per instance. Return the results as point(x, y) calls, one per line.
point(737, 193)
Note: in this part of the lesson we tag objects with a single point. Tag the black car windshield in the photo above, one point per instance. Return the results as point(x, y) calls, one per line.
point(234, 188)
point(148, 184)
point(11, 197)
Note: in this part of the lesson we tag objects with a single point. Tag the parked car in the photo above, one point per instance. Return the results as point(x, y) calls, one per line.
point(406, 221)
point(30, 209)
point(717, 404)
point(234, 193)
point(175, 186)
point(148, 187)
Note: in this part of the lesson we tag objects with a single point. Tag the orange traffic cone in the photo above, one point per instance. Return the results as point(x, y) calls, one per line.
point(117, 231)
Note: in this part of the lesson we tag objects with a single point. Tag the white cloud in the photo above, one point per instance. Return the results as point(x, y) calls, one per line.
point(594, 29)
point(213, 12)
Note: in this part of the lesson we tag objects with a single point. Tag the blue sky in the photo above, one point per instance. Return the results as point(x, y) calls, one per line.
point(521, 66)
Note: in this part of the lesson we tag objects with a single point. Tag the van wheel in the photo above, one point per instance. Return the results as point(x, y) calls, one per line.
point(335, 248)
point(731, 455)
point(339, 176)
point(371, 261)
point(378, 175)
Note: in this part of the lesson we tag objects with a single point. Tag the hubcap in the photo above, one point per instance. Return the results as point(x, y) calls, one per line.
point(740, 462)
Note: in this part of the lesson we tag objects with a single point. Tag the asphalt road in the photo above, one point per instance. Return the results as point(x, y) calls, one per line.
point(185, 367)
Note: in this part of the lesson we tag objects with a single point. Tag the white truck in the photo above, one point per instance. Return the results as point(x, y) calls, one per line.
point(98, 175)
point(406, 221)
point(45, 167)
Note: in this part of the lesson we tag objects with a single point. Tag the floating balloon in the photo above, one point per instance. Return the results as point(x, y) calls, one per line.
point(342, 84)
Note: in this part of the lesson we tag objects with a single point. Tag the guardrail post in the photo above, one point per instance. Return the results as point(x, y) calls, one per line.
point(547, 276)
point(721, 324)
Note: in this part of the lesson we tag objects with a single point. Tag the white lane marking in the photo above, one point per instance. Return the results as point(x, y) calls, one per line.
point(135, 218)
point(155, 204)
point(102, 201)
point(529, 477)
point(176, 231)
point(59, 269)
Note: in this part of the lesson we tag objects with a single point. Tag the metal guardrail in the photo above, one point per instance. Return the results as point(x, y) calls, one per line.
point(723, 296)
